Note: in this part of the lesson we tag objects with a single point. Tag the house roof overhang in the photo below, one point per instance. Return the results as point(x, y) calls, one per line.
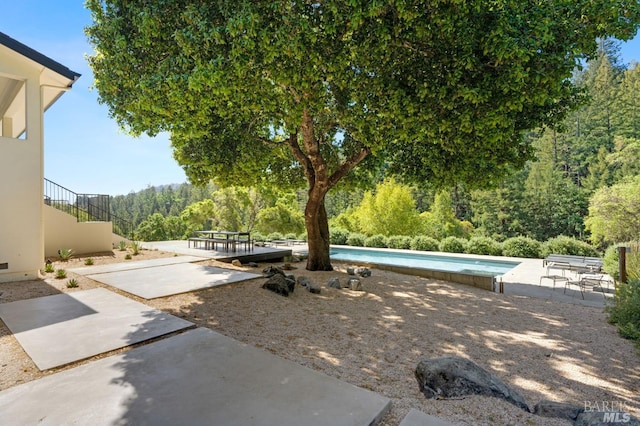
point(55, 78)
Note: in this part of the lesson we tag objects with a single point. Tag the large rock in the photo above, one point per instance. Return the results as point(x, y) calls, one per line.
point(354, 284)
point(452, 377)
point(363, 272)
point(280, 284)
point(271, 270)
point(561, 410)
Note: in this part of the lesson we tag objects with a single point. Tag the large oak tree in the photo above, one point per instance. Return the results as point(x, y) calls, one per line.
point(288, 91)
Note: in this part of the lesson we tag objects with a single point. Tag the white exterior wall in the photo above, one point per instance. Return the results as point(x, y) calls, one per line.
point(61, 230)
point(21, 180)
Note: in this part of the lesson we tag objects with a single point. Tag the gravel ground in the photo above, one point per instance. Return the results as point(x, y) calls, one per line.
point(374, 339)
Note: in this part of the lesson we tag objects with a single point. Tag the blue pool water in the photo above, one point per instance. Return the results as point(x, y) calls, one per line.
point(466, 265)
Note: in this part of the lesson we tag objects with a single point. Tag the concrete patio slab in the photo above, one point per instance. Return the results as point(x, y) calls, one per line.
point(56, 330)
point(199, 377)
point(168, 280)
point(139, 264)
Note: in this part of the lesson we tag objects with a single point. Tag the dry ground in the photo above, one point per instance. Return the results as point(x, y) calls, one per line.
point(374, 339)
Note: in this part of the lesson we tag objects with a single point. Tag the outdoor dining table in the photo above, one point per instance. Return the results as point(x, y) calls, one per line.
point(227, 238)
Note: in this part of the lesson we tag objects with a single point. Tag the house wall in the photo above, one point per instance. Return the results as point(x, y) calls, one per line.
point(21, 181)
point(61, 230)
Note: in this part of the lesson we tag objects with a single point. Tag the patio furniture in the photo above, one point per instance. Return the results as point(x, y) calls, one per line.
point(229, 240)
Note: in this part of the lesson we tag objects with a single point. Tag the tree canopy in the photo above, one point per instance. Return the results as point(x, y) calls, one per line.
point(287, 91)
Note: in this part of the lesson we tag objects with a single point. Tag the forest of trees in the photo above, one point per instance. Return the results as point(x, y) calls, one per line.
point(584, 184)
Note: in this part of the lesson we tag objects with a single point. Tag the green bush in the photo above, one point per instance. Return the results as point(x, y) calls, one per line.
point(275, 236)
point(521, 247)
point(72, 283)
point(399, 242)
point(453, 245)
point(61, 274)
point(610, 261)
point(424, 243)
point(49, 268)
point(356, 239)
point(625, 312)
point(88, 261)
point(378, 241)
point(65, 254)
point(484, 245)
point(567, 245)
point(338, 236)
point(122, 245)
point(291, 236)
point(256, 236)
point(302, 237)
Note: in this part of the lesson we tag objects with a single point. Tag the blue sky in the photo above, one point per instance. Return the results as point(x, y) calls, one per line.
point(85, 150)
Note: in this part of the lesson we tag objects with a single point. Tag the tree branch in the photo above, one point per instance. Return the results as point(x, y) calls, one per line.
point(301, 157)
point(348, 165)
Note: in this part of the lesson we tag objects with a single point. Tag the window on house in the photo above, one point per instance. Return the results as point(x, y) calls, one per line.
point(13, 108)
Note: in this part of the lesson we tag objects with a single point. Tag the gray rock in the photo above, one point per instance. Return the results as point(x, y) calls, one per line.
point(334, 282)
point(451, 377)
point(354, 284)
point(363, 272)
point(599, 418)
point(271, 270)
point(279, 284)
point(236, 262)
point(303, 281)
point(561, 410)
point(351, 270)
point(313, 289)
point(253, 264)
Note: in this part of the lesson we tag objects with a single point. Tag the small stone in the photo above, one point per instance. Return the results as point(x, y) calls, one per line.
point(363, 272)
point(252, 264)
point(288, 267)
point(351, 270)
point(334, 282)
point(303, 281)
point(313, 289)
point(236, 262)
point(354, 284)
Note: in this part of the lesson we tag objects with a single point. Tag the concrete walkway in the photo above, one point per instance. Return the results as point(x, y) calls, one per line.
point(196, 378)
point(64, 328)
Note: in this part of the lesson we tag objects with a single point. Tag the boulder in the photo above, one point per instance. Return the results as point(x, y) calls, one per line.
point(271, 270)
point(363, 272)
point(451, 377)
point(280, 285)
point(334, 282)
point(354, 284)
point(560, 410)
point(351, 270)
point(236, 262)
point(314, 289)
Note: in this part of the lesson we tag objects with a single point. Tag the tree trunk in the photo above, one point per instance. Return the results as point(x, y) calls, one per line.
point(315, 216)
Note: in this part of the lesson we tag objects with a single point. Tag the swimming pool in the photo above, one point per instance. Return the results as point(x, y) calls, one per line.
point(463, 265)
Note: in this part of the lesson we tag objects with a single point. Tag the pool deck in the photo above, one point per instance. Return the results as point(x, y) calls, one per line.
point(522, 280)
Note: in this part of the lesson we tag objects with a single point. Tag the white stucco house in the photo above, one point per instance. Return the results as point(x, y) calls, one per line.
point(30, 83)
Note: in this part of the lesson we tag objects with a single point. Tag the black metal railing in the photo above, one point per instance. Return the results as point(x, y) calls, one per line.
point(85, 207)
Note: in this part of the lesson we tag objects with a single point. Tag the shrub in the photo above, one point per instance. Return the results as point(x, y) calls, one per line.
point(611, 260)
point(424, 243)
point(127, 257)
point(275, 236)
point(65, 254)
point(256, 236)
point(72, 283)
point(399, 242)
point(338, 236)
point(484, 245)
point(521, 247)
point(135, 247)
point(567, 245)
point(291, 236)
point(122, 245)
point(356, 239)
point(49, 268)
point(625, 312)
point(88, 261)
point(302, 237)
point(453, 245)
point(61, 274)
point(379, 241)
